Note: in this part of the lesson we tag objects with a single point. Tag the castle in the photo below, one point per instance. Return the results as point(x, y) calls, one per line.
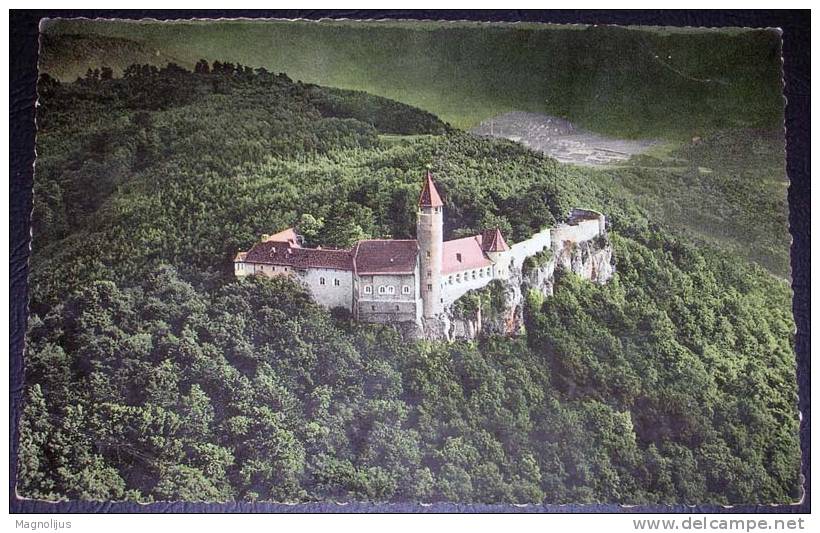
point(412, 280)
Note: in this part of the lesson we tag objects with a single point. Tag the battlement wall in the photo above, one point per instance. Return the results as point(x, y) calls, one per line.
point(583, 225)
point(455, 286)
point(535, 244)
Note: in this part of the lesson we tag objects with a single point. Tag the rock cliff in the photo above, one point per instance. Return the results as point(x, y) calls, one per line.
point(497, 309)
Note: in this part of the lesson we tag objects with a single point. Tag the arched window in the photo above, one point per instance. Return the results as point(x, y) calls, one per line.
point(382, 289)
point(368, 289)
point(336, 282)
point(405, 289)
point(321, 281)
point(391, 290)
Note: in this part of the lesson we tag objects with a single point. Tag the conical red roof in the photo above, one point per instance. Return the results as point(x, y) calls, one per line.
point(429, 195)
point(493, 241)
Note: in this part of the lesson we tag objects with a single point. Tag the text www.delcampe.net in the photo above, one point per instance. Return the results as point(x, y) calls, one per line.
point(719, 524)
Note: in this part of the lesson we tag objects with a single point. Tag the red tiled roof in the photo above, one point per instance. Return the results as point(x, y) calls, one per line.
point(429, 196)
point(385, 256)
point(282, 253)
point(468, 250)
point(287, 235)
point(493, 241)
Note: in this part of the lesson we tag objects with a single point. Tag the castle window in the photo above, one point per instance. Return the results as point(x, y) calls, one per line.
point(428, 254)
point(450, 280)
point(458, 258)
point(391, 290)
point(382, 289)
point(430, 287)
point(336, 282)
point(429, 272)
point(405, 289)
point(321, 281)
point(368, 289)
point(372, 307)
point(473, 274)
point(397, 308)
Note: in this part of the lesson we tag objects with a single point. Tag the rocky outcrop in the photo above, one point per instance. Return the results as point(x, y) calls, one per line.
point(502, 312)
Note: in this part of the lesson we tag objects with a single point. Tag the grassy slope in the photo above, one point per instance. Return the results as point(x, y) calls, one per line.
point(624, 82)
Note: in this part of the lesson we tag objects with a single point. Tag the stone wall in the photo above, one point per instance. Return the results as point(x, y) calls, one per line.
point(329, 287)
point(385, 307)
point(520, 251)
point(583, 225)
point(457, 284)
point(580, 232)
point(575, 247)
point(246, 269)
point(591, 260)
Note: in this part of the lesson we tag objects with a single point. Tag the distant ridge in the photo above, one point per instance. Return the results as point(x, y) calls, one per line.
point(68, 56)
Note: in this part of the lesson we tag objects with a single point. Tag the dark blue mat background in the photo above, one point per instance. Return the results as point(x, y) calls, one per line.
point(796, 44)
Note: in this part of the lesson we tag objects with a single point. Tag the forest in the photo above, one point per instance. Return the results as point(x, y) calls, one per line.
point(634, 81)
point(153, 375)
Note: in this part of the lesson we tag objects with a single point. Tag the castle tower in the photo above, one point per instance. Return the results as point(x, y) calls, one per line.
point(430, 235)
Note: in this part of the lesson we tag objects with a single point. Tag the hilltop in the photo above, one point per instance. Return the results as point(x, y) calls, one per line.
point(623, 82)
point(69, 56)
point(153, 375)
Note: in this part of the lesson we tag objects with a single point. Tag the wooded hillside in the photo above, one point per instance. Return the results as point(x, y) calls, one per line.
point(152, 374)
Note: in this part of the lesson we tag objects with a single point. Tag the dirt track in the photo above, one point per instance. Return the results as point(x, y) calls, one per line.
point(558, 138)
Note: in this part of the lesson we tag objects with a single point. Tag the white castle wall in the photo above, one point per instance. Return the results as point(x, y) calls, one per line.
point(456, 284)
point(583, 231)
point(588, 225)
point(246, 269)
point(386, 307)
point(401, 307)
point(524, 249)
point(330, 295)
